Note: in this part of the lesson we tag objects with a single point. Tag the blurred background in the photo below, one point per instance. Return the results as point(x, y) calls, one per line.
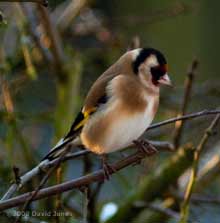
point(49, 57)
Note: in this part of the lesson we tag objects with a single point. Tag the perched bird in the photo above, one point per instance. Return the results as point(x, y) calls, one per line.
point(120, 105)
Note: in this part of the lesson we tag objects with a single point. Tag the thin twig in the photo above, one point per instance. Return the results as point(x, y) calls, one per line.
point(58, 201)
point(56, 47)
point(159, 208)
point(70, 12)
point(185, 117)
point(195, 197)
point(32, 28)
point(9, 105)
point(135, 43)
point(208, 173)
point(88, 203)
point(179, 125)
point(43, 182)
point(16, 175)
point(85, 204)
point(192, 180)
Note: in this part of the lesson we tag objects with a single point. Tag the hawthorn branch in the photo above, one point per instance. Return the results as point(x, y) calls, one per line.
point(79, 183)
point(48, 164)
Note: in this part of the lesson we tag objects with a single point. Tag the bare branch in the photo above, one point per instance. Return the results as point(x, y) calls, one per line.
point(198, 198)
point(187, 94)
point(185, 117)
point(135, 43)
point(192, 180)
point(159, 208)
point(208, 173)
point(35, 35)
point(155, 185)
point(42, 183)
point(56, 46)
point(97, 176)
point(16, 175)
point(71, 11)
point(46, 164)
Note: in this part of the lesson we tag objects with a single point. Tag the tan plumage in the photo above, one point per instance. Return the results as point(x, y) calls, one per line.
point(122, 66)
point(132, 91)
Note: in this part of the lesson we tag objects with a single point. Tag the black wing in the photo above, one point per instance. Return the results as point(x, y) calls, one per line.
point(76, 127)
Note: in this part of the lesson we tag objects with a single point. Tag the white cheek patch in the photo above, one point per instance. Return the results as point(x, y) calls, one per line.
point(135, 53)
point(151, 61)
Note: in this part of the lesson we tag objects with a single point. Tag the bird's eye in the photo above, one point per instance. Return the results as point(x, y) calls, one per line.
point(158, 72)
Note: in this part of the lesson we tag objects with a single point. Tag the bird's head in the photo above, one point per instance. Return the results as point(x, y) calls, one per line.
point(151, 67)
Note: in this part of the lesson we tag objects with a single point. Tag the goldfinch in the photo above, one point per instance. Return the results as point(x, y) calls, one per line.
point(120, 105)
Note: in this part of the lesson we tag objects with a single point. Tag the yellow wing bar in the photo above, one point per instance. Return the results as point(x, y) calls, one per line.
point(86, 115)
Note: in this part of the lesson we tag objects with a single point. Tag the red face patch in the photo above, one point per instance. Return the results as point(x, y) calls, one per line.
point(164, 68)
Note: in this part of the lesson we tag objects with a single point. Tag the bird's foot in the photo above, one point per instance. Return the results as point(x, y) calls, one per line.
point(108, 170)
point(145, 147)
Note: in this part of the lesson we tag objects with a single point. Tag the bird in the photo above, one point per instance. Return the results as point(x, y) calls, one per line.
point(120, 105)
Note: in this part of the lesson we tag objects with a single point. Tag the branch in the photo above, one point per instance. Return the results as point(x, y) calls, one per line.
point(42, 183)
point(81, 182)
point(42, 2)
point(154, 185)
point(35, 35)
point(185, 117)
point(208, 174)
point(53, 35)
point(187, 94)
point(163, 209)
point(45, 165)
point(197, 198)
point(72, 10)
point(192, 180)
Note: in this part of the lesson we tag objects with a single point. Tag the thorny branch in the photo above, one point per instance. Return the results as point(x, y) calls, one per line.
point(81, 182)
point(45, 165)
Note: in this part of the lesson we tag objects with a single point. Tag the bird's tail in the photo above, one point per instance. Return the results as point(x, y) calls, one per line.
point(61, 146)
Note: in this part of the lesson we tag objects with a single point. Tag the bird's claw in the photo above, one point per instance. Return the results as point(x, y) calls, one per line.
point(108, 170)
point(145, 147)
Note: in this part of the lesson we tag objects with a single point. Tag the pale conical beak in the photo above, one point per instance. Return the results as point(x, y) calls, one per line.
point(165, 80)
